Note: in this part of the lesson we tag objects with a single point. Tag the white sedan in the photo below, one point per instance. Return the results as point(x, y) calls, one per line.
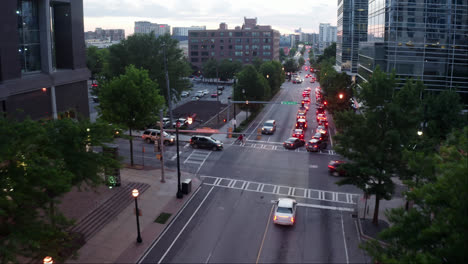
point(285, 211)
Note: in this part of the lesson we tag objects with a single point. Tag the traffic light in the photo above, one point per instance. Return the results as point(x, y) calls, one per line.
point(189, 120)
point(324, 102)
point(44, 90)
point(224, 120)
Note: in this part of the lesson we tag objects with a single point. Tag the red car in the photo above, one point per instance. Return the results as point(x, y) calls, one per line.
point(321, 117)
point(334, 168)
point(298, 133)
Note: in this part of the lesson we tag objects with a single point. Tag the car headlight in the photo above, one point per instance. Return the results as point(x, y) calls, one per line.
point(263, 128)
point(172, 139)
point(219, 145)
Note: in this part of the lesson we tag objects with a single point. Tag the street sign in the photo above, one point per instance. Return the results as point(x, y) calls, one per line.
point(288, 103)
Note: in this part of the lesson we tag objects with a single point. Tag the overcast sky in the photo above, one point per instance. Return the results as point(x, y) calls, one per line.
point(284, 16)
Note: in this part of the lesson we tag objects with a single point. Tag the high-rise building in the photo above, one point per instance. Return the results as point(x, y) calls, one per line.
point(424, 40)
point(351, 29)
point(43, 70)
point(181, 33)
point(146, 27)
point(243, 44)
point(327, 35)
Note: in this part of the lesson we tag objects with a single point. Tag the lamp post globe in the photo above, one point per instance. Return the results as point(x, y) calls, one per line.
point(48, 260)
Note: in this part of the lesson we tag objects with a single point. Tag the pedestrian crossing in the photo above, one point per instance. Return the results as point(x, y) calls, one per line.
point(274, 146)
point(313, 194)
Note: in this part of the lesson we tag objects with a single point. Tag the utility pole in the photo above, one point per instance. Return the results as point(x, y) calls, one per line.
point(169, 96)
point(161, 125)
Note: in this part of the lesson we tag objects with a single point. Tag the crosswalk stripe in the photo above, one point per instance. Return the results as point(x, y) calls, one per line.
point(347, 198)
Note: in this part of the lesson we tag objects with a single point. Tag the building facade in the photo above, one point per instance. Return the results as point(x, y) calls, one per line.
point(146, 27)
point(243, 44)
point(105, 34)
point(327, 35)
point(43, 71)
point(183, 31)
point(424, 40)
point(351, 29)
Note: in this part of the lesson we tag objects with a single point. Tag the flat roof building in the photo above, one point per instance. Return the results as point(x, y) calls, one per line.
point(243, 44)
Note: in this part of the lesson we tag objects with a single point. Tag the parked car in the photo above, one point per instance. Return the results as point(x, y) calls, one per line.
point(195, 98)
point(205, 92)
point(199, 94)
point(214, 95)
point(205, 142)
point(183, 123)
point(151, 135)
point(285, 211)
point(185, 94)
point(269, 127)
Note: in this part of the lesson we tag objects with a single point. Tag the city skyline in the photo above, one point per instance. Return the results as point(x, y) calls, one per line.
point(185, 13)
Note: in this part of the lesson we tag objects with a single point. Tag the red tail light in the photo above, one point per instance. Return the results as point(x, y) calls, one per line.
point(330, 167)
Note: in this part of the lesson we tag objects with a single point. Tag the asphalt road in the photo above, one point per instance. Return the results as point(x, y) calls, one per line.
point(229, 216)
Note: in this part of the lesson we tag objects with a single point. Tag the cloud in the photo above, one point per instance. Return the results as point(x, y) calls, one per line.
point(280, 15)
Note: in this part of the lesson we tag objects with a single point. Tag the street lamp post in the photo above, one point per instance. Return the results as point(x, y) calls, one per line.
point(135, 194)
point(179, 194)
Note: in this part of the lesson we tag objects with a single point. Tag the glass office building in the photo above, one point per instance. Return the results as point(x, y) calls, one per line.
point(419, 39)
point(351, 29)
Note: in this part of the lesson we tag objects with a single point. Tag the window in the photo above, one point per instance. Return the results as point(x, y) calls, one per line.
point(193, 34)
point(212, 46)
point(202, 34)
point(255, 40)
point(195, 47)
point(194, 60)
point(212, 53)
point(267, 34)
point(238, 40)
point(267, 40)
point(238, 34)
point(255, 47)
point(238, 53)
point(247, 40)
point(254, 53)
point(221, 47)
point(246, 47)
point(212, 34)
point(230, 46)
point(204, 59)
point(238, 47)
point(221, 34)
point(221, 53)
point(194, 53)
point(204, 46)
point(266, 53)
point(194, 40)
point(221, 41)
point(28, 29)
point(230, 34)
point(255, 34)
point(204, 53)
point(266, 47)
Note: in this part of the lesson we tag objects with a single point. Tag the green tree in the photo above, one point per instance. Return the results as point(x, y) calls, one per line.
point(329, 52)
point(147, 52)
point(131, 100)
point(303, 49)
point(273, 72)
point(210, 68)
point(252, 86)
point(227, 69)
point(96, 60)
point(301, 61)
point(374, 140)
point(41, 161)
point(434, 230)
point(292, 52)
point(290, 65)
point(257, 62)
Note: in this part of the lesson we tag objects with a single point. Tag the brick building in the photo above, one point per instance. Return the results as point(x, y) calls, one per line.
point(242, 43)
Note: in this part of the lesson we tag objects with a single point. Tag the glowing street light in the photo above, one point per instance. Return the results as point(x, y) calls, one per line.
point(48, 260)
point(340, 95)
point(135, 194)
point(420, 133)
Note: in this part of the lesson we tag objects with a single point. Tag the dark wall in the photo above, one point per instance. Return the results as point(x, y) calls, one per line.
point(77, 29)
point(73, 96)
point(9, 41)
point(63, 36)
point(36, 105)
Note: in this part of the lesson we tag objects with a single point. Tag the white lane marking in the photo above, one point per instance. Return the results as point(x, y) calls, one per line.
point(201, 165)
point(268, 140)
point(155, 242)
point(344, 239)
point(283, 190)
point(313, 166)
point(175, 156)
point(357, 231)
point(208, 259)
point(186, 224)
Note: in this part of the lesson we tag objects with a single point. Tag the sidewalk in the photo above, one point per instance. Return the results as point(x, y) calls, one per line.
point(115, 241)
point(365, 212)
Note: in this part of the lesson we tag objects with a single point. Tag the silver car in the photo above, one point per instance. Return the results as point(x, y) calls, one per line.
point(285, 211)
point(269, 127)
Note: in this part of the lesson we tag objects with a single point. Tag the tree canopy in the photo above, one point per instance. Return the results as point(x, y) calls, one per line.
point(434, 230)
point(147, 52)
point(131, 100)
point(41, 161)
point(251, 85)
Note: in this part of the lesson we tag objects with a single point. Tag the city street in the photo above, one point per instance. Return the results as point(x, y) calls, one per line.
point(230, 216)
